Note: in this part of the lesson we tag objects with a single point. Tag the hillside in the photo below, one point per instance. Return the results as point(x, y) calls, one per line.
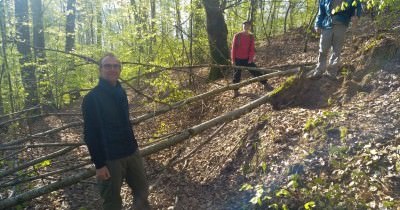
point(332, 144)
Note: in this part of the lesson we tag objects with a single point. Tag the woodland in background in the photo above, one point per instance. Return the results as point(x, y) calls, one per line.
point(50, 50)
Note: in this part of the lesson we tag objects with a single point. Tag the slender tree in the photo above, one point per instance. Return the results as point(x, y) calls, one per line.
point(3, 53)
point(252, 14)
point(39, 53)
point(99, 18)
point(152, 25)
point(28, 73)
point(217, 36)
point(70, 26)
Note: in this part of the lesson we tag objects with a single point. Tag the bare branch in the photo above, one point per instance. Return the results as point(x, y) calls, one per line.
point(41, 145)
point(38, 160)
point(20, 181)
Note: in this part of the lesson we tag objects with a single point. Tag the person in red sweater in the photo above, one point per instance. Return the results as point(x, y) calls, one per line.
point(242, 54)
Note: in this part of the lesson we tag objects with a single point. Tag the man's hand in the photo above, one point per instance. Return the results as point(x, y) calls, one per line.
point(318, 30)
point(102, 173)
point(233, 62)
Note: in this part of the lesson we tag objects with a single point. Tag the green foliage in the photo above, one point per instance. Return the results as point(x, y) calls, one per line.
point(282, 193)
point(343, 133)
point(263, 166)
point(312, 123)
point(168, 90)
point(163, 129)
point(284, 86)
point(309, 205)
point(42, 164)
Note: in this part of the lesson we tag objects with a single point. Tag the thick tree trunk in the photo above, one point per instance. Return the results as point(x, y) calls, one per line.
point(217, 37)
point(23, 45)
point(70, 26)
point(40, 56)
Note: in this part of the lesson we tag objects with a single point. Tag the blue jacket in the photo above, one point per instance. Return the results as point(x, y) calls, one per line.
point(325, 17)
point(107, 129)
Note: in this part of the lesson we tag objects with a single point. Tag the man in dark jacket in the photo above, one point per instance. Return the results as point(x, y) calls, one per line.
point(110, 139)
point(332, 21)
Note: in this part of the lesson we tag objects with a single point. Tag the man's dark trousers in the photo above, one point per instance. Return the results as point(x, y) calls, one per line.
point(238, 72)
point(132, 170)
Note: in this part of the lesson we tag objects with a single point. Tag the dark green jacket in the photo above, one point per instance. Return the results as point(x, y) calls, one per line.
point(107, 129)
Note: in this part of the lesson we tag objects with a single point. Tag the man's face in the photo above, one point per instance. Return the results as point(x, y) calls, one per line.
point(110, 69)
point(246, 27)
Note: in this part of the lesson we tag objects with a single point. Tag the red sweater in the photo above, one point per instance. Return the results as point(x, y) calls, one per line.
point(243, 47)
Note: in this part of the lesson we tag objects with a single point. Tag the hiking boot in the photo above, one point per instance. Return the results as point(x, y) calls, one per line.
point(236, 93)
point(316, 74)
point(268, 87)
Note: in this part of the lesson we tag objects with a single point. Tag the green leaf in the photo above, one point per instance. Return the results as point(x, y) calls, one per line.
point(309, 205)
point(282, 193)
point(264, 166)
point(285, 207)
point(246, 187)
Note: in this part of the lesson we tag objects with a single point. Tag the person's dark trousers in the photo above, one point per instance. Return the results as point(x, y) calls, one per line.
point(131, 169)
point(237, 74)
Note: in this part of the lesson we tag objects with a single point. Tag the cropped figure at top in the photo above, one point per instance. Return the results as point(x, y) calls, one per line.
point(242, 54)
point(333, 19)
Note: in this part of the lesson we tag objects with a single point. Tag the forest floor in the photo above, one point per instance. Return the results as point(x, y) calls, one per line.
point(344, 154)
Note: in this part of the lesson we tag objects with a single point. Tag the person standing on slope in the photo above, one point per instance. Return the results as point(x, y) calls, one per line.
point(242, 54)
point(332, 21)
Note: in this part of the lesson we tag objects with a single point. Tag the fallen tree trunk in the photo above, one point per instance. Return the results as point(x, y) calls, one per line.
point(212, 92)
point(13, 201)
point(227, 117)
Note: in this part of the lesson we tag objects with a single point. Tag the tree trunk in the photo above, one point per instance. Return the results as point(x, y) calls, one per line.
point(3, 69)
point(198, 25)
point(3, 53)
point(180, 30)
point(271, 29)
point(286, 16)
point(99, 37)
point(191, 78)
point(152, 28)
point(70, 26)
point(252, 14)
point(23, 45)
point(70, 40)
point(217, 37)
point(39, 53)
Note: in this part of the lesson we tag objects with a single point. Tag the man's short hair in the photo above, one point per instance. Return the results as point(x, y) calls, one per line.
point(107, 54)
point(247, 22)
